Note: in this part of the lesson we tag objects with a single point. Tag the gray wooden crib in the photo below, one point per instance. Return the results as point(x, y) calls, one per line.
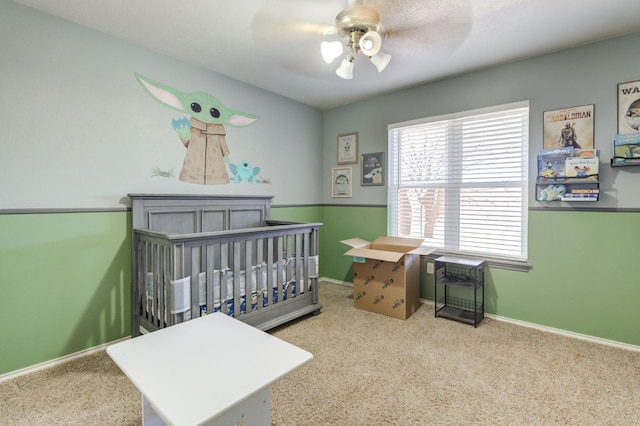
point(196, 254)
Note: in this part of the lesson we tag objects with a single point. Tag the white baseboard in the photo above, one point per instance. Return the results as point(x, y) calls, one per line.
point(331, 280)
point(559, 331)
point(566, 333)
point(57, 361)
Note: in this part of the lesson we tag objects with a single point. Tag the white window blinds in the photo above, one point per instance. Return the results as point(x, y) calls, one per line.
point(460, 181)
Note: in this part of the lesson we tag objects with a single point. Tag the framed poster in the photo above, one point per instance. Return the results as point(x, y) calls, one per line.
point(569, 127)
point(629, 107)
point(372, 169)
point(341, 182)
point(348, 148)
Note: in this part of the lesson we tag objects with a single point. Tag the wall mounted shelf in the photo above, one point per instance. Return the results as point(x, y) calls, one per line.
point(624, 162)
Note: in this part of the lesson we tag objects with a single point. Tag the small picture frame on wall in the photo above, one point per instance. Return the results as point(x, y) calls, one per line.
point(341, 182)
point(372, 169)
point(629, 107)
point(569, 127)
point(348, 148)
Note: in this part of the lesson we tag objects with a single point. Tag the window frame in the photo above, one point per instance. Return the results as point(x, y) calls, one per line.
point(519, 263)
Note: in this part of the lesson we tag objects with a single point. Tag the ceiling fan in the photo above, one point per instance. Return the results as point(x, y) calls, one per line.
point(300, 36)
point(360, 25)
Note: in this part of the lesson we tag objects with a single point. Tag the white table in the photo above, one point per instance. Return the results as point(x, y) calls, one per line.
point(212, 370)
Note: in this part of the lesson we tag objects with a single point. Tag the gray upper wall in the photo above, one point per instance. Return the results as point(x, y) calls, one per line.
point(580, 76)
point(78, 131)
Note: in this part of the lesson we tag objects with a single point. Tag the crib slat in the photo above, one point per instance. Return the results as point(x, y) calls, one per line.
point(298, 264)
point(259, 275)
point(280, 280)
point(270, 283)
point(195, 281)
point(158, 307)
point(248, 262)
point(210, 272)
point(305, 262)
point(289, 276)
point(236, 278)
point(144, 279)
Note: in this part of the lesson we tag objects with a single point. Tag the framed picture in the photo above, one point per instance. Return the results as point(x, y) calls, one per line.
point(348, 148)
point(372, 169)
point(569, 127)
point(629, 107)
point(341, 182)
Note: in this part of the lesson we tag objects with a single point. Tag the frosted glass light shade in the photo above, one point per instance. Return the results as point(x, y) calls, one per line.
point(331, 50)
point(345, 70)
point(370, 43)
point(380, 60)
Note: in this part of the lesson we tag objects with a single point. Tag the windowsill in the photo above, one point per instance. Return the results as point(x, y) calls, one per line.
point(511, 265)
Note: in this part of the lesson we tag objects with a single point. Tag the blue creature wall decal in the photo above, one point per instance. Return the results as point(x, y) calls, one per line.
point(204, 134)
point(244, 172)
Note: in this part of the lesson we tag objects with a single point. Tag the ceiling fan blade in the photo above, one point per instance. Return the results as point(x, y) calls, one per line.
point(410, 30)
point(274, 33)
point(290, 32)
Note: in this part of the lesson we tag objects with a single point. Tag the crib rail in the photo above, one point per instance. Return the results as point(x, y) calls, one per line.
point(264, 276)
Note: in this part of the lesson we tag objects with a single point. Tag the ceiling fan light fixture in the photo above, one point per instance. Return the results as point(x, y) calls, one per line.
point(370, 43)
point(345, 70)
point(331, 50)
point(360, 28)
point(380, 60)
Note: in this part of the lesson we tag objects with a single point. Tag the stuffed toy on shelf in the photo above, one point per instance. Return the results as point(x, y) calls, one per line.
point(552, 192)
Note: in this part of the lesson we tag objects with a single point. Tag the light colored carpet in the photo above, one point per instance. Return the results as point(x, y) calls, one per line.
point(369, 369)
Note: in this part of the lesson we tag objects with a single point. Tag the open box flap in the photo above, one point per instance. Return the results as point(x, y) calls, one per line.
point(356, 243)
point(387, 256)
point(399, 241)
point(423, 251)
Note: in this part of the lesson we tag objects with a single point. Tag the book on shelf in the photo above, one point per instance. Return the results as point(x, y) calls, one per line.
point(552, 163)
point(550, 180)
point(626, 146)
point(551, 166)
point(627, 139)
point(581, 167)
point(585, 153)
point(581, 195)
point(584, 191)
point(566, 198)
point(565, 151)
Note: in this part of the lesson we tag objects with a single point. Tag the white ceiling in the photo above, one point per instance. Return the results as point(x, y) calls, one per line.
point(274, 44)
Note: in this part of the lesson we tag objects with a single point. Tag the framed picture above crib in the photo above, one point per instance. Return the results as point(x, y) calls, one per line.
point(348, 148)
point(341, 182)
point(372, 169)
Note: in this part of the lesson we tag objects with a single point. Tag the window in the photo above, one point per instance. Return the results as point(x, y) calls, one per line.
point(460, 182)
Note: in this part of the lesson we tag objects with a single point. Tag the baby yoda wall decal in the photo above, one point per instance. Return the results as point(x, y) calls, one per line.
point(204, 134)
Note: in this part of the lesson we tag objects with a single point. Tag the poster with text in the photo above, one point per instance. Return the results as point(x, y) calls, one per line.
point(629, 107)
point(569, 127)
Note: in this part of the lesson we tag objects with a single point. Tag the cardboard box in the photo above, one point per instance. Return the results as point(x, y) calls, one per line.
point(386, 274)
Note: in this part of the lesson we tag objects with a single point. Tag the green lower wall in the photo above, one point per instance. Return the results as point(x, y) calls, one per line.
point(297, 214)
point(66, 277)
point(584, 275)
point(341, 223)
point(65, 284)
